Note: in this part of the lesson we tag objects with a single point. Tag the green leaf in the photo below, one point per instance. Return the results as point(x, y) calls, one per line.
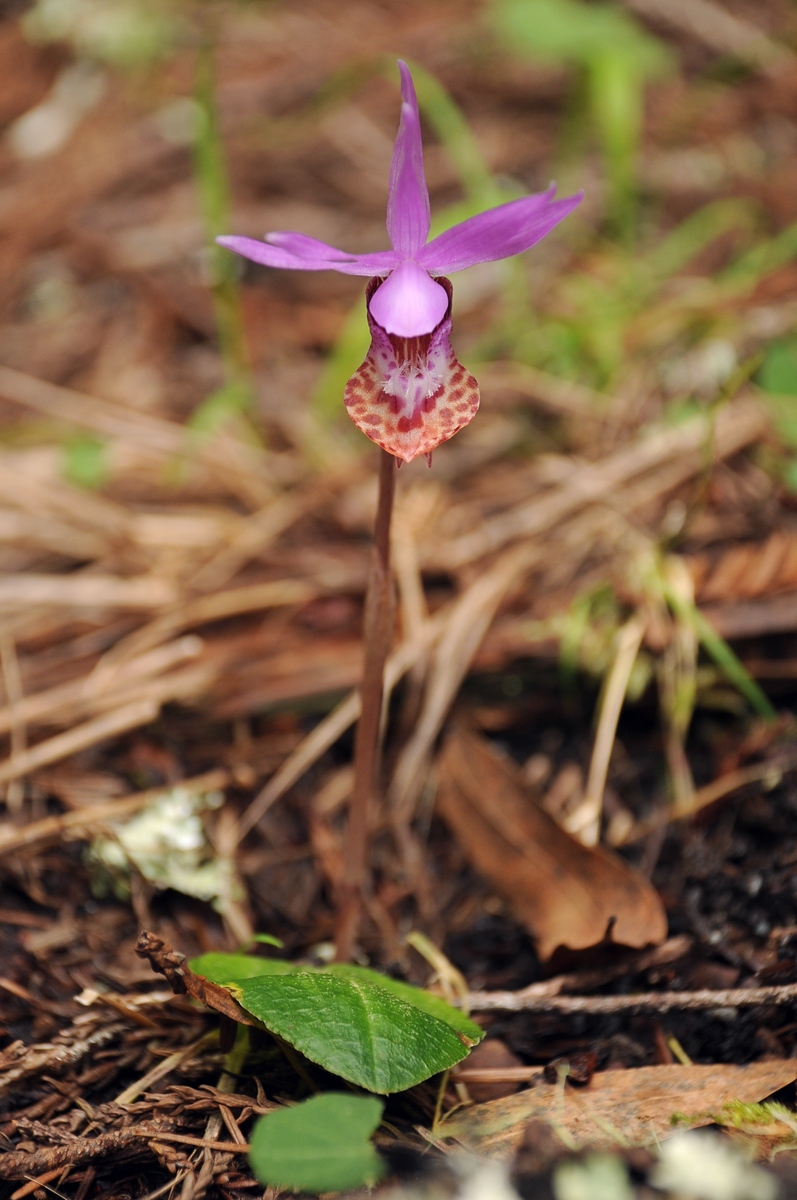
point(353, 1028)
point(86, 462)
point(725, 658)
point(378, 1032)
point(425, 1001)
point(568, 31)
point(790, 475)
point(321, 1145)
point(229, 968)
point(231, 400)
point(778, 372)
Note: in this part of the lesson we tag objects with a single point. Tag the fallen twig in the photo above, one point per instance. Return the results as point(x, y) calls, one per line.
point(577, 981)
point(15, 1165)
point(522, 1001)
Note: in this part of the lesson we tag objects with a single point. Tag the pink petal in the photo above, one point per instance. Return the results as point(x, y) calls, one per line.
point(408, 218)
point(410, 395)
point(409, 303)
point(297, 252)
point(498, 233)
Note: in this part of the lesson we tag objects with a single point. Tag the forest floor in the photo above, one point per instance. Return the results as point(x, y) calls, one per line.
point(589, 786)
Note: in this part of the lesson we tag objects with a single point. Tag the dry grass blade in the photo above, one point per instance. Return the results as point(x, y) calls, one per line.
point(710, 793)
point(239, 467)
point(333, 726)
point(164, 1068)
point(40, 1182)
point(585, 821)
point(87, 412)
point(254, 535)
point(85, 591)
point(12, 682)
point(118, 684)
point(256, 597)
point(83, 820)
point(736, 426)
point(80, 737)
point(753, 618)
point(44, 494)
point(49, 533)
point(720, 30)
point(467, 624)
point(746, 570)
point(551, 391)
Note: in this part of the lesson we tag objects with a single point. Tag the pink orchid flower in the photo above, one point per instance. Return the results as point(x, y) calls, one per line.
point(411, 394)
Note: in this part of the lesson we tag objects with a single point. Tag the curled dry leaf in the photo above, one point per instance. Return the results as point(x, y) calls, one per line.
point(565, 893)
point(635, 1107)
point(183, 982)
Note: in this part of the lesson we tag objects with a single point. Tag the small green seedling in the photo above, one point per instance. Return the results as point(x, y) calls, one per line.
point(375, 1032)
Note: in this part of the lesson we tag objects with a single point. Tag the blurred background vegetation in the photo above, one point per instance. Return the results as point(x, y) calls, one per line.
point(135, 132)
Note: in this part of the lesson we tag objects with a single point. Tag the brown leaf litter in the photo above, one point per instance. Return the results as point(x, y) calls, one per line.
point(565, 893)
point(618, 1108)
point(183, 981)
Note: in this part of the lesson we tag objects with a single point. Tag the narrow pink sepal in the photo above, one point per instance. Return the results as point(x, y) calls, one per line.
point(298, 252)
point(411, 395)
point(497, 233)
point(408, 214)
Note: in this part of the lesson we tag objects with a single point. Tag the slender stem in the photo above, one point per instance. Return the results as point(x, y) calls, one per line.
point(377, 635)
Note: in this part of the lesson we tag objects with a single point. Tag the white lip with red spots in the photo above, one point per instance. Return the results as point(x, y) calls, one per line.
point(411, 394)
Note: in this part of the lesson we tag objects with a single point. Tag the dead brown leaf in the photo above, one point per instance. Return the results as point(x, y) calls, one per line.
point(565, 893)
point(746, 570)
point(633, 1107)
point(184, 982)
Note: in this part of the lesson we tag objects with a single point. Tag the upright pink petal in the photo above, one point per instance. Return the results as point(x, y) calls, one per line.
point(498, 233)
point(298, 252)
point(411, 394)
point(409, 303)
point(408, 219)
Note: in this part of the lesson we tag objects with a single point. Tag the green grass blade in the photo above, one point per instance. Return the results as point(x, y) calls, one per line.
point(210, 176)
point(718, 649)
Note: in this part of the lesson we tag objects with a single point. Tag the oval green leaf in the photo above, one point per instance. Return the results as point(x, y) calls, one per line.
point(321, 1145)
point(435, 1006)
point(361, 1032)
point(229, 968)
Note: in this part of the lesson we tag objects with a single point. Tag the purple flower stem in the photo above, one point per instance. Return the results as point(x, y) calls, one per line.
point(378, 625)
